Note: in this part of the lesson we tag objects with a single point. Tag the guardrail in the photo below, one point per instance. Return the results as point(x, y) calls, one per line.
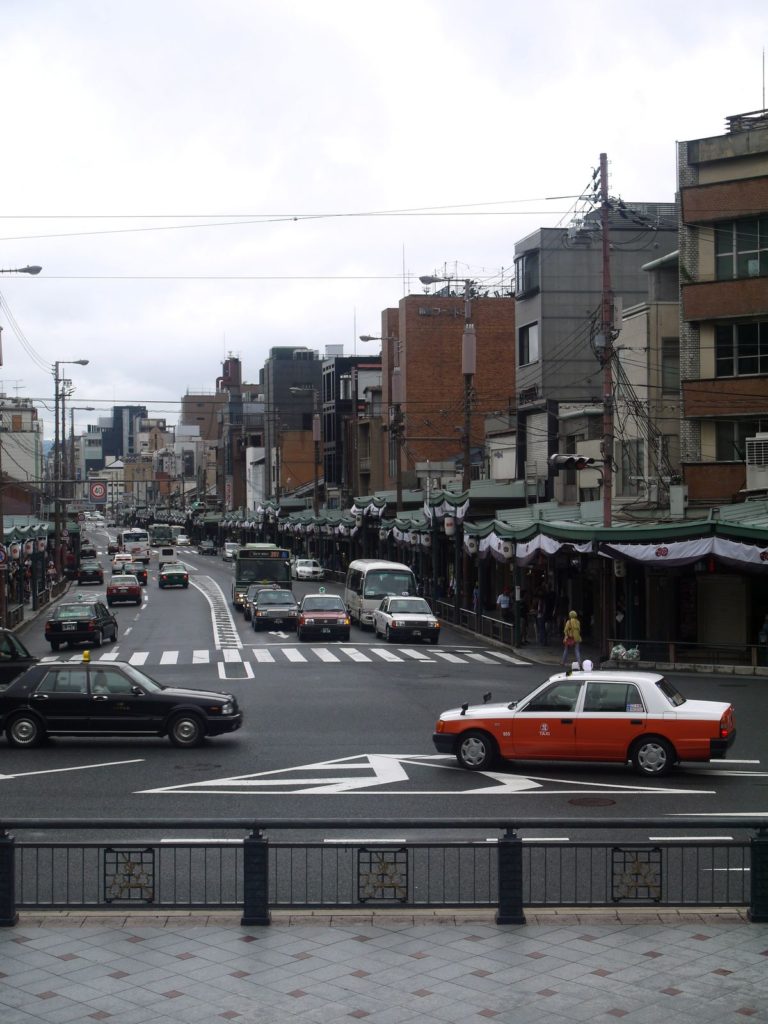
point(679, 652)
point(234, 864)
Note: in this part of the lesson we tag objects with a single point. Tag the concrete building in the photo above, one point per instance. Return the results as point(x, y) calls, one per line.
point(22, 455)
point(558, 282)
point(284, 410)
point(723, 184)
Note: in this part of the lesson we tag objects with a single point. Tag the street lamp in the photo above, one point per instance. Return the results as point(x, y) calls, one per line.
point(395, 417)
point(60, 433)
point(3, 563)
point(316, 435)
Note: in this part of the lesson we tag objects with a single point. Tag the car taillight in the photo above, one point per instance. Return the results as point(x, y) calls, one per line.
point(91, 624)
point(439, 727)
point(48, 626)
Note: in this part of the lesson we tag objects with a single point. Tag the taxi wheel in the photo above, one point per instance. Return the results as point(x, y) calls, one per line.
point(652, 756)
point(24, 731)
point(186, 731)
point(476, 751)
point(97, 638)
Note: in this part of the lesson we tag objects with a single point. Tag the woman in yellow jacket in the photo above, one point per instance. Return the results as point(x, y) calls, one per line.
point(572, 638)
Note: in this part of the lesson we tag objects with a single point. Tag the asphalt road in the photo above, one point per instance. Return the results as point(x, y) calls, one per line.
point(344, 731)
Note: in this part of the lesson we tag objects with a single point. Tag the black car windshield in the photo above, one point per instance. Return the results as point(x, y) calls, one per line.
point(147, 682)
point(75, 611)
point(275, 597)
point(414, 606)
point(331, 603)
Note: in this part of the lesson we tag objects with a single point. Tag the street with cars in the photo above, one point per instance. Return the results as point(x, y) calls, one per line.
point(338, 727)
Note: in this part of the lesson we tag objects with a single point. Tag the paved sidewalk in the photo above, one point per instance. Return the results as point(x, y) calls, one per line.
point(386, 969)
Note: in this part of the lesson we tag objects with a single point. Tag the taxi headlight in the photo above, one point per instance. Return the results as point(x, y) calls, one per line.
point(308, 622)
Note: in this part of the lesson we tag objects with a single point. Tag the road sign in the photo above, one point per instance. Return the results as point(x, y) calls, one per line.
point(97, 490)
point(3, 554)
point(81, 517)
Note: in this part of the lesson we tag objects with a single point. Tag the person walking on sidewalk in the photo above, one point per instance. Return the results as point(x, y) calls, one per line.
point(572, 638)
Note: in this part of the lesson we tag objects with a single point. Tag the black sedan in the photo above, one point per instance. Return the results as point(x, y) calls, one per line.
point(84, 699)
point(137, 569)
point(88, 622)
point(14, 657)
point(90, 571)
point(206, 547)
point(323, 615)
point(273, 606)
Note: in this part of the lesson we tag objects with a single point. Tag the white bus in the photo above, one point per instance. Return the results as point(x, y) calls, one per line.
point(135, 542)
point(369, 581)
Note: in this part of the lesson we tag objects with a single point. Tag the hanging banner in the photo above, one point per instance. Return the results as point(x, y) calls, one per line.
point(29, 547)
point(446, 508)
point(678, 552)
point(733, 551)
point(525, 552)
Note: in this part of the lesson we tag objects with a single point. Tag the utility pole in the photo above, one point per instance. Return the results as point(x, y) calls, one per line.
point(396, 429)
point(604, 344)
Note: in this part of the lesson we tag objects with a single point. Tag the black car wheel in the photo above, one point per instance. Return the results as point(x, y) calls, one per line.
point(55, 645)
point(476, 751)
point(24, 731)
point(433, 640)
point(186, 730)
point(114, 635)
point(109, 603)
point(97, 638)
point(388, 635)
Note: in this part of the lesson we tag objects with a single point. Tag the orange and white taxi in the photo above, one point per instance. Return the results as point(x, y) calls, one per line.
point(637, 717)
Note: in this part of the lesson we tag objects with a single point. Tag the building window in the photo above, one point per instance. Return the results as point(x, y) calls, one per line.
point(528, 344)
point(741, 248)
point(632, 477)
point(731, 438)
point(527, 274)
point(741, 349)
point(670, 366)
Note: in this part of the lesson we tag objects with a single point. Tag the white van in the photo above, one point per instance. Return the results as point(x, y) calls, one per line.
point(369, 581)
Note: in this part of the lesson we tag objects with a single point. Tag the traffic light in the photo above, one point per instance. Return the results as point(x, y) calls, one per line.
point(571, 461)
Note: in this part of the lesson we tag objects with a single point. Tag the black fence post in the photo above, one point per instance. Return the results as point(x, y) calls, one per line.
point(255, 873)
point(510, 879)
point(8, 915)
point(758, 900)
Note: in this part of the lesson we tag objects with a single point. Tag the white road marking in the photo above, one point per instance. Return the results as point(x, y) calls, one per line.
point(293, 655)
point(449, 657)
point(112, 656)
point(354, 655)
point(201, 657)
point(409, 652)
point(686, 839)
point(232, 654)
point(323, 654)
point(482, 658)
point(169, 657)
point(74, 768)
point(509, 658)
point(263, 656)
point(138, 658)
point(385, 654)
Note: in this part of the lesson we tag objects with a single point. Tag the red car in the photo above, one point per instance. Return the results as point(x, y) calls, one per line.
point(123, 587)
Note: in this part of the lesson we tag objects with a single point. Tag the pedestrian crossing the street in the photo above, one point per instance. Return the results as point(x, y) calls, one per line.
point(287, 655)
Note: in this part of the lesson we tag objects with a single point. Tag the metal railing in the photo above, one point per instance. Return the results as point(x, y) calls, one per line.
point(680, 652)
point(236, 866)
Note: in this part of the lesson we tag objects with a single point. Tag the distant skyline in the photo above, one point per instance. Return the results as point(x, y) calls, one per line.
point(201, 180)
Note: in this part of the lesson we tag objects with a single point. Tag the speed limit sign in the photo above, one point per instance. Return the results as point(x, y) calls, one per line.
point(98, 491)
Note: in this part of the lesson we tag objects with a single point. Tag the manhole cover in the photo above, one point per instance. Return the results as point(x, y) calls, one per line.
point(592, 801)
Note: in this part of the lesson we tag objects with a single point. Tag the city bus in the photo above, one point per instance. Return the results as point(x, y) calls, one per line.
point(134, 542)
point(260, 563)
point(160, 535)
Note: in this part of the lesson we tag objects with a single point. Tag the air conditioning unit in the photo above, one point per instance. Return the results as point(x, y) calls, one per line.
point(757, 462)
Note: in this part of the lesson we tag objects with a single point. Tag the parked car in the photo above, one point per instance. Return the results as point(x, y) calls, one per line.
point(230, 550)
point(172, 574)
point(206, 547)
point(322, 615)
point(14, 657)
point(90, 571)
point(638, 717)
point(91, 699)
point(123, 588)
point(273, 606)
point(137, 569)
point(80, 622)
point(406, 618)
point(307, 569)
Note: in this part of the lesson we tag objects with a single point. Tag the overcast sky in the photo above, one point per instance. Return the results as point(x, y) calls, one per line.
point(198, 178)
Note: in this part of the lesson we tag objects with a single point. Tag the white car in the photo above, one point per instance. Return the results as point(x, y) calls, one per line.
point(182, 539)
point(307, 569)
point(406, 618)
point(231, 548)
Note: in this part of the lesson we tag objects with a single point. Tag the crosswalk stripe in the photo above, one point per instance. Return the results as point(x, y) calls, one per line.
point(138, 657)
point(232, 654)
point(418, 655)
point(262, 656)
point(480, 657)
point(169, 657)
point(201, 657)
point(449, 657)
point(324, 654)
point(354, 655)
point(111, 656)
point(385, 655)
point(509, 658)
point(293, 655)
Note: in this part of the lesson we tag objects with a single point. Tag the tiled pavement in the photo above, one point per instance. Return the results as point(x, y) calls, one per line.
point(560, 967)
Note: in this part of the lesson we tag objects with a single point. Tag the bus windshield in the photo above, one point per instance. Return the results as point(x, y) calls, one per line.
point(384, 582)
point(256, 570)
